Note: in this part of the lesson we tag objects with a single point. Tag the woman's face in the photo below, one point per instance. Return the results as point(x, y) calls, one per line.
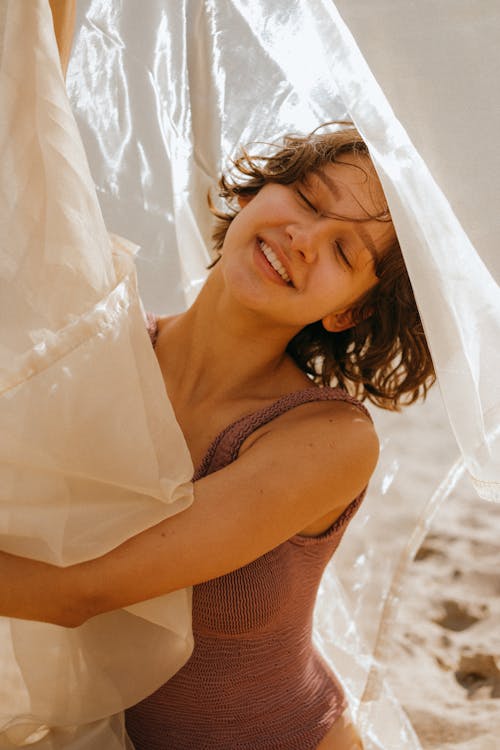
point(304, 252)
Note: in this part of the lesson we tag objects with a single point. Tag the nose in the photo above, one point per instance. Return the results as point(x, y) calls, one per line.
point(304, 241)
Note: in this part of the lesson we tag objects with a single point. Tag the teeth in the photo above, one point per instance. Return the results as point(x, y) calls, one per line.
point(274, 261)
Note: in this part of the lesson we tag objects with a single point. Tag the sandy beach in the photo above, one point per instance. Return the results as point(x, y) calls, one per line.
point(441, 654)
point(444, 658)
point(445, 664)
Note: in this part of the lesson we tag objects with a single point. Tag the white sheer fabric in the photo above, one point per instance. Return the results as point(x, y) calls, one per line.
point(86, 457)
point(438, 66)
point(162, 104)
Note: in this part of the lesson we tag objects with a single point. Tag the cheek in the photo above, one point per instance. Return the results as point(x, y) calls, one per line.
point(238, 240)
point(338, 290)
point(233, 230)
point(237, 270)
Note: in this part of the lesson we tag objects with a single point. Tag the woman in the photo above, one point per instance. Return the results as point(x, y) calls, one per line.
point(310, 279)
point(310, 285)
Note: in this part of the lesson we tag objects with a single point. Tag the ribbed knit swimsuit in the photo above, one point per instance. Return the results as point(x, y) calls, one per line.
point(254, 680)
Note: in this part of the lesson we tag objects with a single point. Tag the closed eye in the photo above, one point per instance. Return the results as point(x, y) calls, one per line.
point(337, 246)
point(307, 202)
point(340, 250)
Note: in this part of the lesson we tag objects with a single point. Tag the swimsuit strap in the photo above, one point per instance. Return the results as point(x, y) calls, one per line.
point(225, 447)
point(152, 327)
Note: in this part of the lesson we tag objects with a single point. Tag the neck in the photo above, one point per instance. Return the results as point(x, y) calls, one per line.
point(219, 350)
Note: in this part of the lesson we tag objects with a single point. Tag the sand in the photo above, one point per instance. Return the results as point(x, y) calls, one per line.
point(445, 657)
point(446, 650)
point(442, 653)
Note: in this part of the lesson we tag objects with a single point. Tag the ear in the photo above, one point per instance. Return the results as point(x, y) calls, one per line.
point(341, 321)
point(336, 322)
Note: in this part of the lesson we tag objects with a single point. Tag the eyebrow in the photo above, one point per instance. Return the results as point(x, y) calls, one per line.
point(364, 236)
point(330, 184)
point(367, 241)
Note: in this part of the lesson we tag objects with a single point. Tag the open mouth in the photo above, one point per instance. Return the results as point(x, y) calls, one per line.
point(274, 262)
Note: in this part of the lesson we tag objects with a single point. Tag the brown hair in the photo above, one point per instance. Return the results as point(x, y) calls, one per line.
point(385, 356)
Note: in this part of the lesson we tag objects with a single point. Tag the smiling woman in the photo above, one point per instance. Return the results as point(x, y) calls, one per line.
point(333, 177)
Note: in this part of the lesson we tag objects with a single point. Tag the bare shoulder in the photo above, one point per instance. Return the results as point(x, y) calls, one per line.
point(319, 456)
point(322, 430)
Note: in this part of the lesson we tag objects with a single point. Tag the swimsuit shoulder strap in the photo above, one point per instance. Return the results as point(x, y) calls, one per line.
point(225, 447)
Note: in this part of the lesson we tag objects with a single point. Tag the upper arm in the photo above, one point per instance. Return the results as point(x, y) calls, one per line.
point(300, 469)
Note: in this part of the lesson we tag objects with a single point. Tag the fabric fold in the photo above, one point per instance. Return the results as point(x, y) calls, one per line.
point(90, 450)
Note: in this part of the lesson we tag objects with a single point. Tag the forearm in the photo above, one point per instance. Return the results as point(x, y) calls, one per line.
point(148, 565)
point(239, 513)
point(63, 14)
point(33, 590)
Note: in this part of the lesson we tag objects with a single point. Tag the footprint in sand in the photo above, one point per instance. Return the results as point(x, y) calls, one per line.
point(479, 675)
point(457, 617)
point(428, 550)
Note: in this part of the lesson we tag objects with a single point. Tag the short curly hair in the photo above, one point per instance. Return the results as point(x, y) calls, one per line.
point(384, 356)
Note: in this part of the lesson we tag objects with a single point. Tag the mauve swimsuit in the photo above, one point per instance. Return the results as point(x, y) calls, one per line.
point(254, 680)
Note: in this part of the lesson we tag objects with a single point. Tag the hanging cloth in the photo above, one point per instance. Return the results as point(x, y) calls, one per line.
point(90, 451)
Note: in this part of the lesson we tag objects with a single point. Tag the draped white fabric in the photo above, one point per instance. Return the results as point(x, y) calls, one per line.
point(87, 456)
point(438, 65)
point(161, 104)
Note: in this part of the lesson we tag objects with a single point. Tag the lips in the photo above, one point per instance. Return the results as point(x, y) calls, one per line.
point(273, 258)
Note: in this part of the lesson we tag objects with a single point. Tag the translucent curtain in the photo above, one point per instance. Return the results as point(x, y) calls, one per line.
point(438, 65)
point(90, 451)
